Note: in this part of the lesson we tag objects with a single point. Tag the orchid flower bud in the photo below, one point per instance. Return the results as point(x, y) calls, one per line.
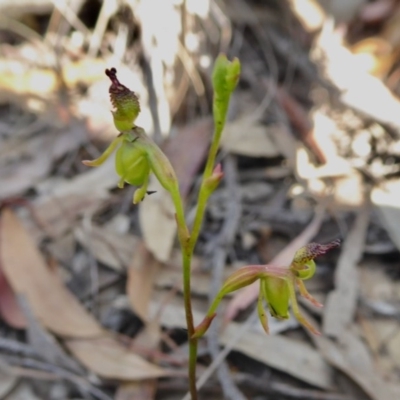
point(225, 78)
point(212, 182)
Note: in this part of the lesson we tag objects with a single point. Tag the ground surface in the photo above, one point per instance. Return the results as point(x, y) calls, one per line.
point(90, 285)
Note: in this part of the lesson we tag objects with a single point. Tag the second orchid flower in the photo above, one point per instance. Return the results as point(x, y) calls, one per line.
point(277, 287)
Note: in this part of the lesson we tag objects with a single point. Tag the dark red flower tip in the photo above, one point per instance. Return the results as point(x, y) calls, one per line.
point(116, 88)
point(112, 74)
point(319, 249)
point(121, 97)
point(313, 250)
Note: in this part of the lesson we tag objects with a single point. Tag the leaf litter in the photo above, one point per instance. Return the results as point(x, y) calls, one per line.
point(59, 311)
point(307, 134)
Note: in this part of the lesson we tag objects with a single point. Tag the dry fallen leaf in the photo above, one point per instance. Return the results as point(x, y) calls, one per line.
point(23, 163)
point(290, 356)
point(145, 390)
point(347, 359)
point(61, 202)
point(142, 272)
point(27, 273)
point(107, 358)
point(108, 247)
point(382, 292)
point(187, 151)
point(341, 302)
point(44, 343)
point(58, 310)
point(10, 311)
point(7, 383)
point(248, 137)
point(386, 199)
point(157, 221)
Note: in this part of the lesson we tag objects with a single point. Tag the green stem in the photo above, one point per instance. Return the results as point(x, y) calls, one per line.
point(198, 219)
point(188, 243)
point(224, 80)
point(214, 305)
point(187, 253)
point(204, 193)
point(192, 367)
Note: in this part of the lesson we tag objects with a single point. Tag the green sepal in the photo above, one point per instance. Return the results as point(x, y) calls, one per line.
point(107, 152)
point(276, 293)
point(141, 192)
point(158, 161)
point(131, 164)
point(242, 277)
point(261, 311)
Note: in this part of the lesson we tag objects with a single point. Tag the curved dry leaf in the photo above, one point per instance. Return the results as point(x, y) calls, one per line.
point(28, 275)
point(341, 303)
point(9, 308)
point(142, 273)
point(157, 221)
point(110, 360)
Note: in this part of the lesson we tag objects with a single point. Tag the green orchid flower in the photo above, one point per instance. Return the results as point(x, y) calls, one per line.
point(137, 156)
point(277, 287)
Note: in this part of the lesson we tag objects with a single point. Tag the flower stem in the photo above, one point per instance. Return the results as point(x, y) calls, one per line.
point(187, 253)
point(188, 242)
point(204, 193)
point(225, 78)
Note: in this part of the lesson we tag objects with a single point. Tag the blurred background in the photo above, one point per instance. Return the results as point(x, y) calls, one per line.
point(90, 285)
